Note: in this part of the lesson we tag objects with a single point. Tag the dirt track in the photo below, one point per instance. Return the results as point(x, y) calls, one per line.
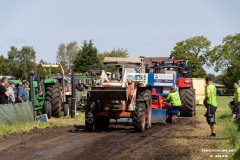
point(120, 142)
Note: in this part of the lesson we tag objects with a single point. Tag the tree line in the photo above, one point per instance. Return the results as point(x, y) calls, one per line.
point(19, 63)
point(224, 58)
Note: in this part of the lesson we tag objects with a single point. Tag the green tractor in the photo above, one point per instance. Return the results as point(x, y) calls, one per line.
point(57, 92)
point(89, 79)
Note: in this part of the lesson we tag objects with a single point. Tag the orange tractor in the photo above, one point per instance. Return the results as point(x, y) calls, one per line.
point(122, 93)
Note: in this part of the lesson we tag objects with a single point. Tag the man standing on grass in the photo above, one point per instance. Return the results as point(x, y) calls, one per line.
point(211, 105)
point(235, 104)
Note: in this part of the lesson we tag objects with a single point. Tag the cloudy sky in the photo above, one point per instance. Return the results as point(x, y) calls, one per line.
point(147, 28)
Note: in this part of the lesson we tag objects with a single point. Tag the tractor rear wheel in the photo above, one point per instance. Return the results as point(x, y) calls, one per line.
point(187, 96)
point(139, 117)
point(90, 116)
point(48, 109)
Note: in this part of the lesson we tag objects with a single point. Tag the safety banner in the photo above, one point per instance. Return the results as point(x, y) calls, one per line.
point(16, 113)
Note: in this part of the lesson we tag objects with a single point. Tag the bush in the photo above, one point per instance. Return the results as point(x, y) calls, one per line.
point(229, 91)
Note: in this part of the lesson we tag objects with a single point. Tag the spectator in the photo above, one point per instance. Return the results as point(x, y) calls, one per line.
point(81, 86)
point(235, 104)
point(211, 105)
point(10, 89)
point(4, 94)
point(22, 93)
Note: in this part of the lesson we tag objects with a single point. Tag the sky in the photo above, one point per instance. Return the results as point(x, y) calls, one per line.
point(145, 28)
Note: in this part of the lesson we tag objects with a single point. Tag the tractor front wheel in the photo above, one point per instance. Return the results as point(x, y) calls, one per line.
point(148, 102)
point(48, 109)
point(139, 117)
point(90, 116)
point(66, 108)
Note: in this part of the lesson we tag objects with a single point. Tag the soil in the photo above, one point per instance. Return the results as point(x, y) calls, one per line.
point(161, 141)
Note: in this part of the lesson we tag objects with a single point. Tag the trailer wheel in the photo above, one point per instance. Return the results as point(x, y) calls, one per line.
point(187, 96)
point(90, 116)
point(48, 109)
point(148, 97)
point(139, 117)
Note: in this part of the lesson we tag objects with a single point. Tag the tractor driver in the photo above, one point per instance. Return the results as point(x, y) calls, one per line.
point(174, 104)
point(81, 86)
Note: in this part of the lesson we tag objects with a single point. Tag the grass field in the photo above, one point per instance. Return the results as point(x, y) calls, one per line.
point(227, 129)
point(26, 127)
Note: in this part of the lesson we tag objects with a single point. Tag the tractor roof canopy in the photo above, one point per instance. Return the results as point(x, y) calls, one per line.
point(120, 60)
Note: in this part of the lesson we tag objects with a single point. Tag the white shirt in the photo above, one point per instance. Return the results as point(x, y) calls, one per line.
point(11, 92)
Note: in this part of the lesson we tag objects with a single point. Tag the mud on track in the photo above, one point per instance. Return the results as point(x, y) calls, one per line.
point(119, 142)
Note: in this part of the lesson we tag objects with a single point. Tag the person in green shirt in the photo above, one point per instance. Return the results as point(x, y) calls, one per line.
point(235, 104)
point(211, 105)
point(174, 104)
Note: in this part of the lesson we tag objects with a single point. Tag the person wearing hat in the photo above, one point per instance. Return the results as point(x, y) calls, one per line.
point(22, 93)
point(10, 89)
point(174, 104)
point(211, 105)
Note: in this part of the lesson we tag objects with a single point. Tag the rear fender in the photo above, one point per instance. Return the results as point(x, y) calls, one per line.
point(184, 82)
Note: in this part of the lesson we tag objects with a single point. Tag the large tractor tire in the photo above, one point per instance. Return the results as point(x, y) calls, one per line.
point(139, 117)
point(47, 109)
point(187, 96)
point(56, 101)
point(147, 96)
point(53, 95)
point(90, 116)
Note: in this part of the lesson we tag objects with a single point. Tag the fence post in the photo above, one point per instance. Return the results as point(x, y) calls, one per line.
point(73, 102)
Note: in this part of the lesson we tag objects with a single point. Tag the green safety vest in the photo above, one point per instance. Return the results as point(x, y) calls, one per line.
point(174, 98)
point(236, 94)
point(212, 100)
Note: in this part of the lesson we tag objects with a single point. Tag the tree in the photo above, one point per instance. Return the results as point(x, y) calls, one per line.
point(193, 49)
point(226, 58)
point(21, 62)
point(3, 65)
point(120, 52)
point(66, 54)
point(87, 56)
point(213, 77)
